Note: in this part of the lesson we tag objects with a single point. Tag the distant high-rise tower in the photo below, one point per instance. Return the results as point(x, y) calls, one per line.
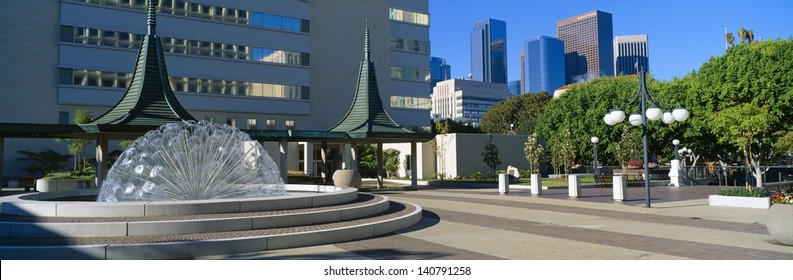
point(544, 64)
point(588, 48)
point(439, 70)
point(489, 51)
point(630, 54)
point(522, 72)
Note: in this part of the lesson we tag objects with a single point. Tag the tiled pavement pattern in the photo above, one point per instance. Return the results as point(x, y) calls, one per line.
point(472, 224)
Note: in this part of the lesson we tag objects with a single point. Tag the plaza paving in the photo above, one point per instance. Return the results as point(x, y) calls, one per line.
point(481, 224)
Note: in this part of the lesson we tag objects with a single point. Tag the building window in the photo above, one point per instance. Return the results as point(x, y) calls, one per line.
point(63, 117)
point(231, 121)
point(290, 124)
point(410, 74)
point(217, 13)
point(411, 102)
point(410, 45)
point(270, 124)
point(251, 123)
point(126, 40)
point(409, 17)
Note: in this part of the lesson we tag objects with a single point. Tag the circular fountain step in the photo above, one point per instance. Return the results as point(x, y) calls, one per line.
point(202, 234)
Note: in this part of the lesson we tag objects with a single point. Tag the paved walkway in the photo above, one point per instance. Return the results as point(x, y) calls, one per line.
point(480, 224)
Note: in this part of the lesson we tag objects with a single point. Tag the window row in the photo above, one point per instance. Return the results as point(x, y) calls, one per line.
point(97, 78)
point(410, 102)
point(92, 36)
point(409, 17)
point(410, 74)
point(410, 45)
point(203, 11)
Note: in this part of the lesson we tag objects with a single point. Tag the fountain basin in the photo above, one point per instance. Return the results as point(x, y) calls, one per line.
point(52, 204)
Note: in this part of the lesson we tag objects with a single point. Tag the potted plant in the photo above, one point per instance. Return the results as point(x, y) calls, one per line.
point(779, 218)
point(347, 178)
point(741, 197)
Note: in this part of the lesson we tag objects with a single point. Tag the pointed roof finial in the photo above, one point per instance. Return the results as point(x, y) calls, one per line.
point(152, 21)
point(367, 48)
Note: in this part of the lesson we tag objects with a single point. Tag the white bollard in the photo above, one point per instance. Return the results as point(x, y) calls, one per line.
point(573, 186)
point(536, 184)
point(620, 187)
point(503, 183)
point(674, 173)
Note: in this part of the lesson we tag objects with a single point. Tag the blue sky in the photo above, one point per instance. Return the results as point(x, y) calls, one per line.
point(682, 34)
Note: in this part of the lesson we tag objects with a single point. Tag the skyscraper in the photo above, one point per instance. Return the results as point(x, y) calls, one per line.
point(489, 51)
point(544, 64)
point(630, 54)
point(588, 47)
point(439, 70)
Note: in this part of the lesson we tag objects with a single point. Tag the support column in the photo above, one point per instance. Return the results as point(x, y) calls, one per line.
point(674, 173)
point(536, 184)
point(620, 187)
point(2, 156)
point(353, 155)
point(283, 158)
point(308, 159)
point(413, 166)
point(323, 153)
point(379, 165)
point(101, 160)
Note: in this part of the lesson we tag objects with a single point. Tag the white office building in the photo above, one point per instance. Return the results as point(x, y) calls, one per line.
point(276, 64)
point(465, 100)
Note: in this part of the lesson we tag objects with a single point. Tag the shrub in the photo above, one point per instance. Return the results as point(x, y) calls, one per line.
point(753, 192)
point(475, 175)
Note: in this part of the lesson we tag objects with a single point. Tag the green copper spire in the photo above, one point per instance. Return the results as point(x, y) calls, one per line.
point(149, 99)
point(367, 115)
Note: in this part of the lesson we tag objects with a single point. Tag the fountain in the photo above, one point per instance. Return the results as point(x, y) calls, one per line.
point(192, 161)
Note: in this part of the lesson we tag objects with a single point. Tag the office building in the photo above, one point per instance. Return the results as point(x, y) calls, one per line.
point(465, 100)
point(514, 87)
point(439, 70)
point(543, 64)
point(489, 51)
point(631, 54)
point(278, 64)
point(588, 46)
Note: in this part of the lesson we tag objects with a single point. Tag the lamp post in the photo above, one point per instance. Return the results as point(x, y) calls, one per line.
point(653, 113)
point(676, 142)
point(595, 140)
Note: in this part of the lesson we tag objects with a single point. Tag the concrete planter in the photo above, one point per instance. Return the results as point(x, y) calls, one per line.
point(779, 221)
point(347, 178)
point(739, 201)
point(46, 185)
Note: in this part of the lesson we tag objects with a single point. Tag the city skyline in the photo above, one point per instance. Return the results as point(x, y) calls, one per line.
point(698, 29)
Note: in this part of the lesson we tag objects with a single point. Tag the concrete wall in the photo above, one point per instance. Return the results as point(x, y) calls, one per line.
point(460, 154)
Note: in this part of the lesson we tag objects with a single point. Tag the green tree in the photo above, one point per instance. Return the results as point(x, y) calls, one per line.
point(730, 39)
point(520, 111)
point(628, 147)
point(742, 35)
point(491, 156)
point(391, 162)
point(446, 126)
point(76, 147)
point(742, 126)
point(534, 152)
point(44, 162)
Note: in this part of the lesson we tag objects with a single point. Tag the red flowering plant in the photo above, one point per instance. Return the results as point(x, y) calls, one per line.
point(782, 198)
point(635, 162)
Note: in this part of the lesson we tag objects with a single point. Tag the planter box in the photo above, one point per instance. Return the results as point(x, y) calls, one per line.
point(43, 185)
point(739, 201)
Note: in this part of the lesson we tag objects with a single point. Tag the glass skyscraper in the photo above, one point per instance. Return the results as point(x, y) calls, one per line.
point(489, 51)
point(588, 47)
point(439, 70)
point(543, 64)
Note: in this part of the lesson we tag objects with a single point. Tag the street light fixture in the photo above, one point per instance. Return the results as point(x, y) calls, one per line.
point(595, 140)
point(676, 142)
point(653, 113)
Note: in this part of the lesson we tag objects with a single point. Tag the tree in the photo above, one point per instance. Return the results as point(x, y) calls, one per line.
point(76, 147)
point(446, 126)
point(627, 148)
point(742, 34)
point(391, 162)
point(520, 111)
point(44, 162)
point(730, 39)
point(491, 157)
point(742, 126)
point(534, 152)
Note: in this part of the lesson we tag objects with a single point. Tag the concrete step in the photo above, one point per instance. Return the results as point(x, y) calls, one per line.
point(216, 239)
